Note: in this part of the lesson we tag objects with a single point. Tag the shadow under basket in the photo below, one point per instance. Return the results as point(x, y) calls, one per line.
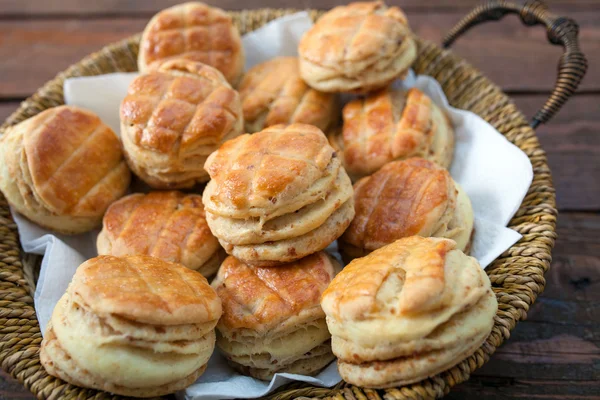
point(517, 276)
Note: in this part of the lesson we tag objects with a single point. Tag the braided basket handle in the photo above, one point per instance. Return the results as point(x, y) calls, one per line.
point(561, 31)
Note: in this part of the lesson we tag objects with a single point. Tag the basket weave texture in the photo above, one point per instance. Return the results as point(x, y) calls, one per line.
point(517, 276)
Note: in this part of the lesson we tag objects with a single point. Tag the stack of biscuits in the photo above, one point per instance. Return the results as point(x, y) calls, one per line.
point(408, 311)
point(272, 320)
point(135, 326)
point(275, 199)
point(277, 195)
point(142, 320)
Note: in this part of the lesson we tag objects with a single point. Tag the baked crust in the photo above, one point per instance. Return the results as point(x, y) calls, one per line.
point(358, 48)
point(173, 118)
point(62, 169)
point(167, 225)
point(146, 290)
point(407, 311)
point(195, 32)
point(392, 125)
point(266, 170)
point(407, 198)
point(273, 93)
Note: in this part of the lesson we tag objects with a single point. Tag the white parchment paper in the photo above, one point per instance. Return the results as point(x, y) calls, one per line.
point(493, 172)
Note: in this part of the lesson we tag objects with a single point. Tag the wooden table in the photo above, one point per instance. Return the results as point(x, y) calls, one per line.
point(555, 353)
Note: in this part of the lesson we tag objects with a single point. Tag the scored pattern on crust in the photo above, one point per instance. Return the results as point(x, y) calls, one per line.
point(402, 199)
point(385, 126)
point(172, 112)
point(196, 32)
point(354, 32)
point(71, 163)
point(167, 225)
point(145, 289)
point(264, 165)
point(274, 93)
point(260, 298)
point(416, 263)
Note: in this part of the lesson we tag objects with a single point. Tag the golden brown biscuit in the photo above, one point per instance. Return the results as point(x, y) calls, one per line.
point(392, 125)
point(273, 93)
point(272, 321)
point(407, 198)
point(167, 225)
point(173, 118)
point(134, 325)
point(358, 48)
point(195, 32)
point(407, 311)
point(62, 169)
point(277, 195)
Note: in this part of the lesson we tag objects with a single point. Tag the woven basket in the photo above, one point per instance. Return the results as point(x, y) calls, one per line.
point(517, 276)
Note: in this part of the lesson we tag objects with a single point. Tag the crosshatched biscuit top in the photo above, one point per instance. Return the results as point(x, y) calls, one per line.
point(180, 106)
point(146, 290)
point(280, 159)
point(355, 32)
point(262, 298)
point(196, 32)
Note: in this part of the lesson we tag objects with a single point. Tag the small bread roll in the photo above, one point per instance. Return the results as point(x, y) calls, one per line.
point(272, 321)
point(408, 311)
point(135, 326)
point(195, 32)
point(277, 195)
point(407, 198)
point(392, 125)
point(173, 118)
point(167, 225)
point(62, 169)
point(273, 93)
point(359, 47)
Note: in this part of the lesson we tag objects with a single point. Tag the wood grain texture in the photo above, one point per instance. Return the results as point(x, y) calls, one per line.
point(137, 7)
point(572, 143)
point(514, 56)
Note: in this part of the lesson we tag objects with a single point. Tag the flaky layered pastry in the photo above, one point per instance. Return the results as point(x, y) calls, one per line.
point(62, 169)
point(277, 195)
point(135, 326)
point(358, 48)
point(273, 93)
point(167, 225)
point(195, 32)
point(173, 118)
point(407, 198)
point(392, 125)
point(272, 321)
point(408, 311)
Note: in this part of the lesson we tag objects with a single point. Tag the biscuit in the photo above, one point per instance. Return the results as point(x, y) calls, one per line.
point(272, 321)
point(359, 47)
point(195, 32)
point(408, 311)
point(173, 118)
point(273, 93)
point(62, 169)
point(135, 326)
point(167, 225)
point(393, 125)
point(277, 195)
point(407, 198)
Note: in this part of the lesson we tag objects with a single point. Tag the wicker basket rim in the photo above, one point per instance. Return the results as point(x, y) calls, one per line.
point(517, 275)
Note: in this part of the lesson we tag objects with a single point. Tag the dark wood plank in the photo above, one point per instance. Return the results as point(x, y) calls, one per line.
point(137, 7)
point(516, 57)
point(7, 108)
point(572, 143)
point(11, 389)
point(555, 353)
